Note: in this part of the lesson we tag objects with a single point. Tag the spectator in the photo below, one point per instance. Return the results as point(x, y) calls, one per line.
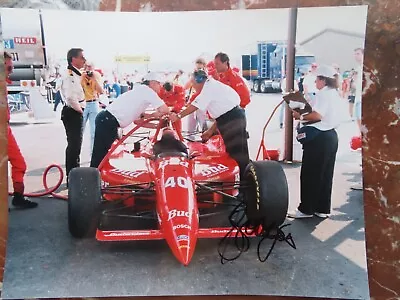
point(310, 89)
point(72, 113)
point(91, 84)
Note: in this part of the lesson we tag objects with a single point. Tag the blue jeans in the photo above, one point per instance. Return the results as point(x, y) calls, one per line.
point(90, 113)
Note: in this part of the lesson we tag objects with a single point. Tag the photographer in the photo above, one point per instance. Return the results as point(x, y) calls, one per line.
point(92, 87)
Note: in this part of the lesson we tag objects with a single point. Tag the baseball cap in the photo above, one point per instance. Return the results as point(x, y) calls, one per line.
point(152, 76)
point(326, 71)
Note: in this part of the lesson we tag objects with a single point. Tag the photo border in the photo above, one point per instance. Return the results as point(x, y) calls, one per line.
point(381, 161)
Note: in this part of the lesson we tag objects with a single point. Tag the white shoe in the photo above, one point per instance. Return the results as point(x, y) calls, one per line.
point(321, 215)
point(298, 215)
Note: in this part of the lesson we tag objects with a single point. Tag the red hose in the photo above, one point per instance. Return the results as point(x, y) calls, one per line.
point(49, 191)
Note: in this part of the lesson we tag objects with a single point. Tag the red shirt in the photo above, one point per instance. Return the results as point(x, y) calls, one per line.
point(174, 98)
point(236, 82)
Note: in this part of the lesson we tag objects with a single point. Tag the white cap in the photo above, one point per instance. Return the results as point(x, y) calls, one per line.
point(154, 76)
point(326, 71)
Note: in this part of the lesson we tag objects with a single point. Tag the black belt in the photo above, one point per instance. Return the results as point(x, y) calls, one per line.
point(93, 100)
point(231, 114)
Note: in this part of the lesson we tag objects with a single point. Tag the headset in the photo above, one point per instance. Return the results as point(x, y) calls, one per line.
point(200, 76)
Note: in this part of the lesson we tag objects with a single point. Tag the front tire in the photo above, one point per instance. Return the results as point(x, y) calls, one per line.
point(84, 198)
point(267, 197)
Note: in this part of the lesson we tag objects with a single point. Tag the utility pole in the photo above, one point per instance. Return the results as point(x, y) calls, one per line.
point(290, 62)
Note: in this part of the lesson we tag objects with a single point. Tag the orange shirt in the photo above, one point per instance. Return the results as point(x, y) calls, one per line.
point(174, 98)
point(236, 82)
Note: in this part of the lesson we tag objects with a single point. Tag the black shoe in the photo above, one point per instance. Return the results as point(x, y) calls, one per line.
point(22, 202)
point(281, 125)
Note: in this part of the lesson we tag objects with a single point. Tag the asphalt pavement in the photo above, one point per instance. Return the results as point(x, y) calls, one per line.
point(43, 260)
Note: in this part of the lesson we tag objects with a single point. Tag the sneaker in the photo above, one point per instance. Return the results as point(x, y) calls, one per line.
point(20, 201)
point(321, 215)
point(298, 215)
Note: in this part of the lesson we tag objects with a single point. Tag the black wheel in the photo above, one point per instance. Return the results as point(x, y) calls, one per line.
point(267, 195)
point(84, 198)
point(256, 86)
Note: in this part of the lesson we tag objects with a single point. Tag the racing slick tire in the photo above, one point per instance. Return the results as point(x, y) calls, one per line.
point(267, 194)
point(84, 198)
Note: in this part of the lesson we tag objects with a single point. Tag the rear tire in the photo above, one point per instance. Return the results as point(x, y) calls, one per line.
point(267, 198)
point(84, 198)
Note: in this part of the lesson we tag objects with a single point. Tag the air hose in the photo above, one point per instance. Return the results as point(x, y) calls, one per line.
point(49, 191)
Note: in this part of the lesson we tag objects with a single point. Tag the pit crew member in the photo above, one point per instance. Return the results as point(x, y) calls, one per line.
point(174, 96)
point(17, 161)
point(222, 103)
point(233, 79)
point(126, 109)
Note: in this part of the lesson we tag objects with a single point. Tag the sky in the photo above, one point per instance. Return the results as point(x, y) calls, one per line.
point(174, 39)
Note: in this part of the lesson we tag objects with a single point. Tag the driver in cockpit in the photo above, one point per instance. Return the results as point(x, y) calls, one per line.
point(169, 143)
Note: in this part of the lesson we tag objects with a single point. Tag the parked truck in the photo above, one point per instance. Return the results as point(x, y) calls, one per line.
point(23, 38)
point(267, 68)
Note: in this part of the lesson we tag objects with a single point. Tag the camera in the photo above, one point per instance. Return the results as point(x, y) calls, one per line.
point(89, 73)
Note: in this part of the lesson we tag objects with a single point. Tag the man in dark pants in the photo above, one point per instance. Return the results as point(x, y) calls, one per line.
point(72, 112)
point(126, 109)
point(222, 103)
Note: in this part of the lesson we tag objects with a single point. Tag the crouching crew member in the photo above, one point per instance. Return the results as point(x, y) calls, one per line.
point(17, 161)
point(222, 103)
point(72, 112)
point(127, 108)
point(174, 97)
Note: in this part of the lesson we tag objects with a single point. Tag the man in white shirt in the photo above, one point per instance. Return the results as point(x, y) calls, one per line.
point(310, 89)
point(222, 103)
point(127, 108)
point(72, 112)
point(359, 57)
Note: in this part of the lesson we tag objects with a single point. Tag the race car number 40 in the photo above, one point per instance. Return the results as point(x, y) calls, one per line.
point(177, 181)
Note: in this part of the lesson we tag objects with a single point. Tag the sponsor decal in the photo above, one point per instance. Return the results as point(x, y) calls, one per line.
point(175, 161)
point(182, 226)
point(213, 170)
point(183, 246)
point(130, 174)
point(178, 213)
point(182, 237)
point(126, 234)
point(25, 40)
point(220, 231)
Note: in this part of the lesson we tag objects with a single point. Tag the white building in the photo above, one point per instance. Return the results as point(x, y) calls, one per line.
point(334, 46)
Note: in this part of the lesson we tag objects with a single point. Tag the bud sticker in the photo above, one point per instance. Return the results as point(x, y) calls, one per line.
point(178, 213)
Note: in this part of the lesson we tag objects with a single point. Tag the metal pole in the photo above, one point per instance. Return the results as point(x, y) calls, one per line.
point(42, 36)
point(288, 157)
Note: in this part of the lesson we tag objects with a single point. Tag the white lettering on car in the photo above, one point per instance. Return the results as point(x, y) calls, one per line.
point(131, 174)
point(214, 170)
point(178, 213)
point(182, 226)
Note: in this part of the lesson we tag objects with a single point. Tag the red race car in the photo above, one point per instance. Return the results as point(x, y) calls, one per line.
point(160, 185)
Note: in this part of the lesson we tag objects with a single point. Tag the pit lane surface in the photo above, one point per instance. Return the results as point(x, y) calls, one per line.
point(43, 260)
